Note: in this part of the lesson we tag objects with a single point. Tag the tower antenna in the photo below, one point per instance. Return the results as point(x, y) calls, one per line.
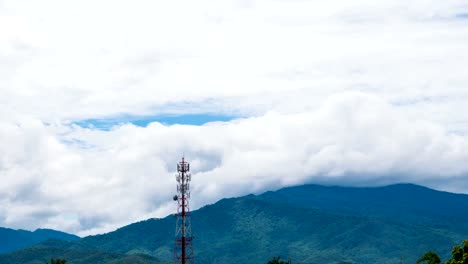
point(183, 251)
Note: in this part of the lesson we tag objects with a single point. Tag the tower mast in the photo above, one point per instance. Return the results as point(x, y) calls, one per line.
point(183, 251)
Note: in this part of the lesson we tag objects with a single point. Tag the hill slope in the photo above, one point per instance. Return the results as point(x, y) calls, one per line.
point(309, 224)
point(11, 239)
point(73, 253)
point(402, 203)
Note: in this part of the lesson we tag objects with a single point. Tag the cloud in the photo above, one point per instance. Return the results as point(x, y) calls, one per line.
point(126, 173)
point(343, 92)
point(74, 61)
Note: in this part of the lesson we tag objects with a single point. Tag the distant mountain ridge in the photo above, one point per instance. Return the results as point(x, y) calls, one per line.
point(402, 203)
point(308, 224)
point(11, 239)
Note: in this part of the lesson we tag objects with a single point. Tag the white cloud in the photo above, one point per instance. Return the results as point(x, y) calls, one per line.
point(354, 92)
point(106, 58)
point(112, 178)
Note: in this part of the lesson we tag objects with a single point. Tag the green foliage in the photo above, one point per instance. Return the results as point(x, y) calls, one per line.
point(75, 254)
point(459, 254)
point(429, 258)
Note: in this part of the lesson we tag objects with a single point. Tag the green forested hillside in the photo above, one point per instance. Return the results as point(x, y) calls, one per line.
point(73, 253)
point(11, 239)
point(403, 203)
point(340, 226)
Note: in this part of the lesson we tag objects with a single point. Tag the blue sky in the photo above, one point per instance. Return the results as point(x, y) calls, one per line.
point(143, 121)
point(101, 99)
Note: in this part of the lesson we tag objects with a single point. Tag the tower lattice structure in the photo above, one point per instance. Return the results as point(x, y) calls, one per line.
point(183, 251)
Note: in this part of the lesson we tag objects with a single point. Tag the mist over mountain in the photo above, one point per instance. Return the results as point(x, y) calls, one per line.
point(307, 224)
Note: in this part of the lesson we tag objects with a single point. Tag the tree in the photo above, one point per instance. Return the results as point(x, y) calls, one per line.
point(429, 258)
point(459, 254)
point(276, 260)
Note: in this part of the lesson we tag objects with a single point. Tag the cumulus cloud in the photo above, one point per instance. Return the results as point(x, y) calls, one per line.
point(112, 57)
point(343, 92)
point(88, 181)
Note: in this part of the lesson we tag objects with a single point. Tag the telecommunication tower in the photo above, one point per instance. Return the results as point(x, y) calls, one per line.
point(183, 251)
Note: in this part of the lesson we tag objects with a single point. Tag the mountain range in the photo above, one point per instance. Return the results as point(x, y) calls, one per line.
point(306, 224)
point(11, 239)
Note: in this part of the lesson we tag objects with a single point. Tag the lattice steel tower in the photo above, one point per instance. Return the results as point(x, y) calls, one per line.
point(183, 251)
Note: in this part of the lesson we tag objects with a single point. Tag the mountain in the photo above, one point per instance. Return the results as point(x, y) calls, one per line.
point(402, 203)
point(74, 253)
point(308, 224)
point(11, 239)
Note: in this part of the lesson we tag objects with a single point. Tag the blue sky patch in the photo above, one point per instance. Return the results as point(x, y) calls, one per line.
point(143, 121)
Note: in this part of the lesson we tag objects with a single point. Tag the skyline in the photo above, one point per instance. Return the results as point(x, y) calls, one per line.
point(99, 100)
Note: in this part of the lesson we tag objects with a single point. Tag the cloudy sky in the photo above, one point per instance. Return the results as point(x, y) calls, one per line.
point(100, 99)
